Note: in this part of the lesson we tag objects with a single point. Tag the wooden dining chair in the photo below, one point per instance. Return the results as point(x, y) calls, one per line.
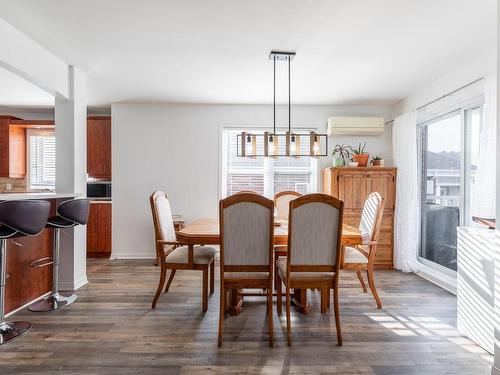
point(246, 192)
point(313, 258)
point(282, 203)
point(361, 257)
point(281, 206)
point(173, 255)
point(246, 249)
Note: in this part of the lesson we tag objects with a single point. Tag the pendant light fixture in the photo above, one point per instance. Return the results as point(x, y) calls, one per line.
point(272, 141)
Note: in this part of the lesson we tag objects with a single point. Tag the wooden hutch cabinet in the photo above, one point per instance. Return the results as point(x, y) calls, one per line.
point(353, 185)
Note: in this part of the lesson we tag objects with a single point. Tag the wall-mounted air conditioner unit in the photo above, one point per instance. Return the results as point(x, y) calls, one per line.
point(343, 125)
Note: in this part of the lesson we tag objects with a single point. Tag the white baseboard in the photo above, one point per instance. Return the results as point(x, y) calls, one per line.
point(66, 286)
point(444, 281)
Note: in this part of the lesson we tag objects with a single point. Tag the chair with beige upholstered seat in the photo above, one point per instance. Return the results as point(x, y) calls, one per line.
point(281, 206)
point(362, 257)
point(282, 203)
point(172, 255)
point(246, 249)
point(314, 244)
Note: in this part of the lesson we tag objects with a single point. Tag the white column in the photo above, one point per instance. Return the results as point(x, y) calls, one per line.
point(71, 169)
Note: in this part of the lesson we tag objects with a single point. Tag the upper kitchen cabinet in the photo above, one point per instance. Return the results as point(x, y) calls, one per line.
point(99, 147)
point(12, 149)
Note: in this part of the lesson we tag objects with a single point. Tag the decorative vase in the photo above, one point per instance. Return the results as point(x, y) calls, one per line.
point(338, 162)
point(362, 159)
point(353, 164)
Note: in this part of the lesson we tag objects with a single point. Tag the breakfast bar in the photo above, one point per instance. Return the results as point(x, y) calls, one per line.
point(29, 267)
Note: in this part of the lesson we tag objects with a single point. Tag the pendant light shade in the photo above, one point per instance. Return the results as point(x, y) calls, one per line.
point(272, 141)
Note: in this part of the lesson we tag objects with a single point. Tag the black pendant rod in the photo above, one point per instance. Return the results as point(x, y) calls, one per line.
point(289, 100)
point(274, 96)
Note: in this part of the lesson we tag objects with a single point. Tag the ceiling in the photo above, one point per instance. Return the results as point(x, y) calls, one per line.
point(16, 91)
point(198, 51)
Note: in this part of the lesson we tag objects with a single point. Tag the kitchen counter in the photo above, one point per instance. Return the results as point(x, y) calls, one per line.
point(41, 195)
point(27, 281)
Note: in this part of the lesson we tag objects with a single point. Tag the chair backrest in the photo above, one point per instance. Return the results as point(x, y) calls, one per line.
point(315, 233)
point(162, 219)
point(246, 233)
point(246, 192)
point(282, 203)
point(76, 210)
point(25, 216)
point(371, 217)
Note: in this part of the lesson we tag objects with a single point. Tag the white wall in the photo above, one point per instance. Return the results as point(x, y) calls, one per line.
point(175, 148)
point(458, 76)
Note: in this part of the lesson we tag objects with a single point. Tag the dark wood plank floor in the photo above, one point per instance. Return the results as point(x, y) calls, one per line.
point(111, 329)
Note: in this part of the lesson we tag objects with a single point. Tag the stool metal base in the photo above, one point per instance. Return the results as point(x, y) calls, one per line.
point(12, 330)
point(52, 303)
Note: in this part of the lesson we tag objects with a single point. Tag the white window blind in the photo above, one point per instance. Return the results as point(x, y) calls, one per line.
point(42, 160)
point(266, 176)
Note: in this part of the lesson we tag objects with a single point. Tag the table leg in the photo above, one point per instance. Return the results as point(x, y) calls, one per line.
point(235, 301)
point(299, 300)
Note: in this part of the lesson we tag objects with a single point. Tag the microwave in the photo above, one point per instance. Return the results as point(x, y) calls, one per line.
point(99, 189)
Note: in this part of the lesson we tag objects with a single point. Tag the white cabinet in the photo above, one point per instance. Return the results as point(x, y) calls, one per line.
point(476, 285)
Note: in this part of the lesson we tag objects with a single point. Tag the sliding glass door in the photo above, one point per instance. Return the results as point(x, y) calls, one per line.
point(441, 182)
point(448, 163)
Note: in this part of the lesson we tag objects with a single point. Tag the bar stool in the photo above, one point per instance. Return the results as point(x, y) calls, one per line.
point(17, 218)
point(70, 213)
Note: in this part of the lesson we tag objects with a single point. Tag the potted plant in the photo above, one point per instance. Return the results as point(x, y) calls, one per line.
point(359, 154)
point(353, 163)
point(340, 155)
point(377, 161)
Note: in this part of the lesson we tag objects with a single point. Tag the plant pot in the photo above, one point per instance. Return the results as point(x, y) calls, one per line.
point(362, 159)
point(338, 162)
point(353, 164)
point(376, 163)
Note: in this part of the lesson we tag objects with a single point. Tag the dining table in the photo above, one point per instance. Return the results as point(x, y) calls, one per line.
point(206, 232)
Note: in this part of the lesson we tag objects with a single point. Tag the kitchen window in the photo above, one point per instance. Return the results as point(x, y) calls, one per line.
point(266, 176)
point(41, 159)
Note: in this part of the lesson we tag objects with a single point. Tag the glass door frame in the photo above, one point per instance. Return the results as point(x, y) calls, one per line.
point(465, 173)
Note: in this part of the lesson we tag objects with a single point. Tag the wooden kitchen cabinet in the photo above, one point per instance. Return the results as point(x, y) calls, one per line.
point(99, 230)
point(12, 149)
point(99, 147)
point(352, 186)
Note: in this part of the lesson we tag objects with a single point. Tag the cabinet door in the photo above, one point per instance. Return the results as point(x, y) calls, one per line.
point(92, 165)
point(99, 147)
point(351, 188)
point(105, 144)
point(104, 228)
point(384, 183)
point(17, 152)
point(25, 283)
point(92, 228)
point(4, 148)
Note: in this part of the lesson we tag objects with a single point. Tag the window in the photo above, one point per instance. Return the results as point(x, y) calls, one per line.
point(265, 176)
point(450, 169)
point(41, 159)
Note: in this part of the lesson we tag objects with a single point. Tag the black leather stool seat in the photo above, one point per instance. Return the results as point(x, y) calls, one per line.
point(6, 232)
point(59, 222)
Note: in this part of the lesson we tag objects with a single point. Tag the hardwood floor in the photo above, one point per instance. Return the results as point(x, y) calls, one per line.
point(111, 329)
